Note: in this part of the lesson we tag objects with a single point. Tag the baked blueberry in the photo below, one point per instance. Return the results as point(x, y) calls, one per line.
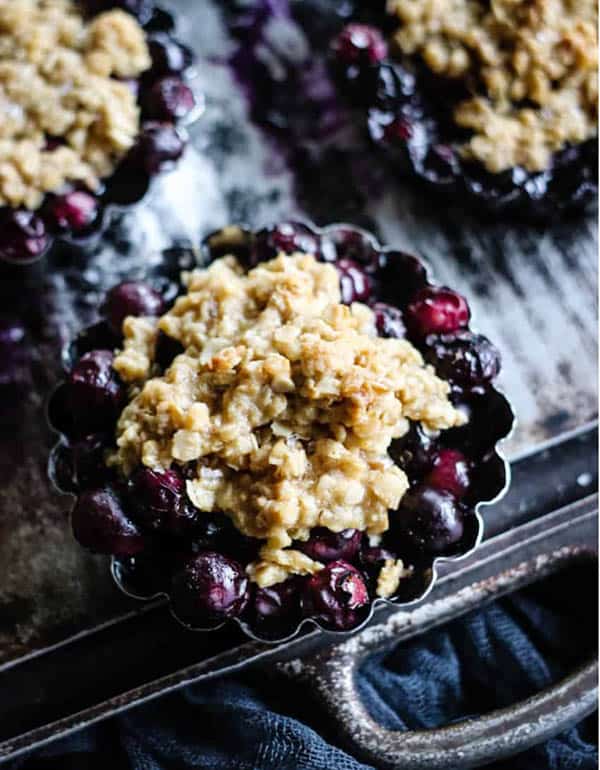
point(23, 235)
point(429, 520)
point(335, 596)
point(463, 358)
point(95, 393)
point(209, 588)
point(131, 298)
point(325, 545)
point(101, 524)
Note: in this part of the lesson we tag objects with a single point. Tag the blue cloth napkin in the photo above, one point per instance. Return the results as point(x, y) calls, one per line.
point(488, 659)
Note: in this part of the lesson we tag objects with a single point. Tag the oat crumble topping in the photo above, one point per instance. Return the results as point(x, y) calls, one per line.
point(58, 80)
point(283, 404)
point(530, 65)
point(390, 575)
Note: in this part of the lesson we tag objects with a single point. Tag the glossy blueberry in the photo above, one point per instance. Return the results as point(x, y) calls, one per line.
point(168, 99)
point(287, 237)
point(335, 595)
point(157, 144)
point(450, 472)
point(74, 211)
point(280, 602)
point(463, 358)
point(95, 392)
point(101, 524)
point(23, 235)
point(356, 246)
point(169, 57)
point(134, 298)
point(209, 588)
point(355, 284)
point(388, 320)
point(436, 310)
point(428, 520)
point(414, 452)
point(325, 545)
point(359, 44)
point(158, 499)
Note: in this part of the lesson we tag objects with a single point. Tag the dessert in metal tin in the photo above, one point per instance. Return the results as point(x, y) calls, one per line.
point(495, 102)
point(297, 432)
point(91, 93)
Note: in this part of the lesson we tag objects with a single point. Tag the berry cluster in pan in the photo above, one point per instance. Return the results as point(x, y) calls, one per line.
point(165, 100)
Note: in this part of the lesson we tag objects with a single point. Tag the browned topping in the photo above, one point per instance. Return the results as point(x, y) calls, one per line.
point(531, 66)
point(285, 401)
point(57, 79)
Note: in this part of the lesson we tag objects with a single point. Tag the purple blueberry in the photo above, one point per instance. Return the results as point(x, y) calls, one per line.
point(464, 358)
point(209, 588)
point(157, 145)
point(101, 525)
point(276, 604)
point(414, 452)
point(450, 472)
point(287, 237)
point(358, 45)
point(95, 392)
point(325, 545)
point(74, 211)
point(23, 236)
point(131, 298)
point(355, 284)
point(158, 499)
point(428, 520)
point(356, 246)
point(388, 320)
point(169, 57)
point(436, 310)
point(336, 595)
point(168, 99)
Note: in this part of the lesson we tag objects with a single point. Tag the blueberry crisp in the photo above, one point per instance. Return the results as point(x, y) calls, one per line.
point(85, 91)
point(280, 441)
point(497, 99)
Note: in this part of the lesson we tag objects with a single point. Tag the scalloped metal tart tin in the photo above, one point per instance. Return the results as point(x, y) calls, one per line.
point(465, 359)
point(168, 103)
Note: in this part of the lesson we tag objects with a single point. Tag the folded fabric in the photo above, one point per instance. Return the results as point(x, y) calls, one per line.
point(488, 659)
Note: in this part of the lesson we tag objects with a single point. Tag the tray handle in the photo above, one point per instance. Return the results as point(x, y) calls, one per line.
point(331, 675)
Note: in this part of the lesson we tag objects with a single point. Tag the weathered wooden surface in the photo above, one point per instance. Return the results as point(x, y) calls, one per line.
point(533, 291)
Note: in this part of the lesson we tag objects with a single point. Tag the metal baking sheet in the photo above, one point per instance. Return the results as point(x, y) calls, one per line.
point(533, 291)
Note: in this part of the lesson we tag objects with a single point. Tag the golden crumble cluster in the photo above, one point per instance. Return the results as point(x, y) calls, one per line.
point(284, 402)
point(59, 81)
point(530, 65)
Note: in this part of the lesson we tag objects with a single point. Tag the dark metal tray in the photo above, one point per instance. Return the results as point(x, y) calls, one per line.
point(533, 291)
